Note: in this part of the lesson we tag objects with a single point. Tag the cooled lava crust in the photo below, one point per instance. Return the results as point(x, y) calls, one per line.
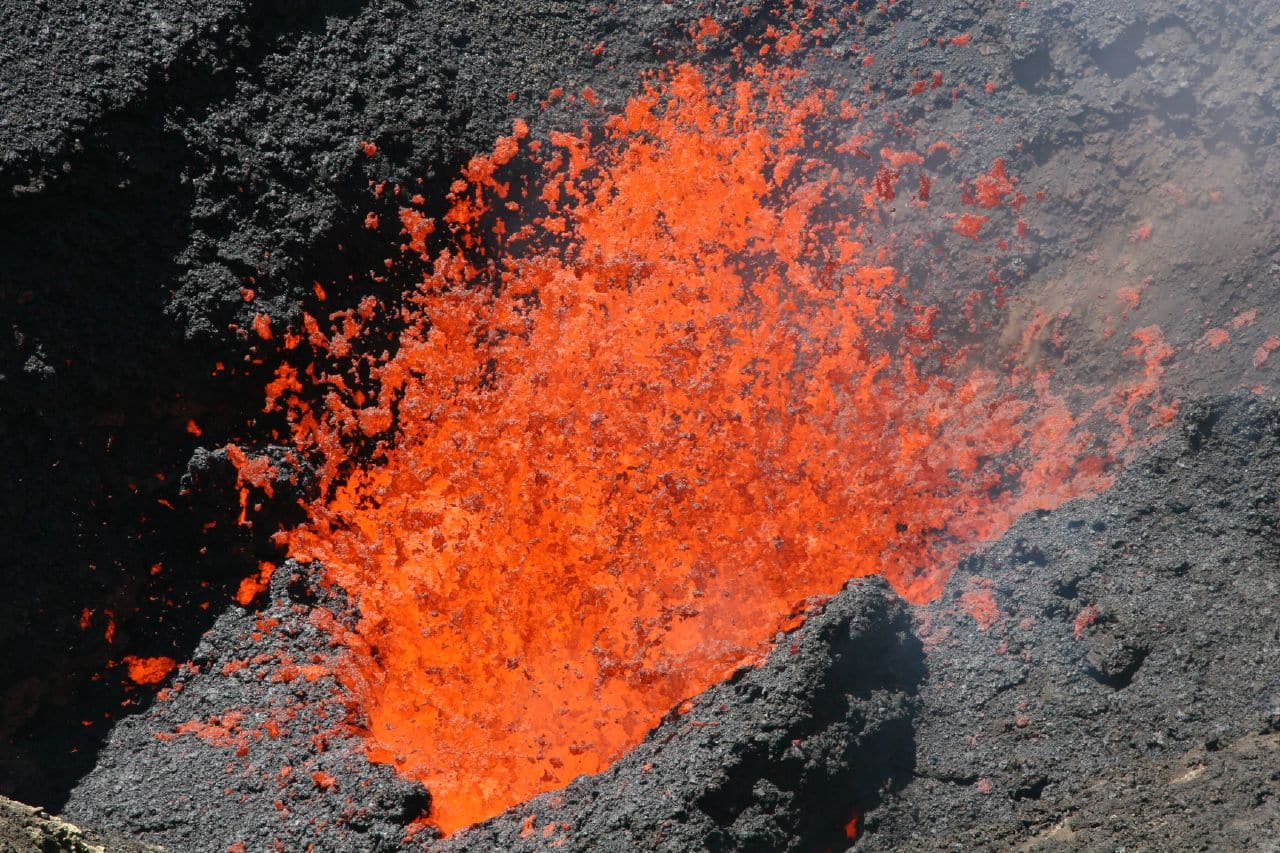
point(1107, 674)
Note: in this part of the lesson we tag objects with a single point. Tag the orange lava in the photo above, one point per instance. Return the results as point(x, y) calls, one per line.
point(991, 188)
point(1270, 345)
point(654, 393)
point(854, 826)
point(254, 585)
point(970, 224)
point(1216, 337)
point(149, 670)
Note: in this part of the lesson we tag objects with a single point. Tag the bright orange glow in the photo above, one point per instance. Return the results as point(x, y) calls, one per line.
point(653, 396)
point(254, 585)
point(149, 670)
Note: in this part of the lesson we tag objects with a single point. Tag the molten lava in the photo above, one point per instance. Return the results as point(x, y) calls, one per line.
point(655, 394)
point(149, 670)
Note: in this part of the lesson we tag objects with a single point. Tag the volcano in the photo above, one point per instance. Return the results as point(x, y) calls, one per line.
point(663, 426)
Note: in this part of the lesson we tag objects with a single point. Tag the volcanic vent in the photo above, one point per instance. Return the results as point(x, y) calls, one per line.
point(657, 391)
point(651, 479)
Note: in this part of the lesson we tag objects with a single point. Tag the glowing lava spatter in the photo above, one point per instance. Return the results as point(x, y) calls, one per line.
point(654, 392)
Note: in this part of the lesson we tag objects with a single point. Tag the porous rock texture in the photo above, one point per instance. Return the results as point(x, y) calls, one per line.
point(1127, 695)
point(251, 745)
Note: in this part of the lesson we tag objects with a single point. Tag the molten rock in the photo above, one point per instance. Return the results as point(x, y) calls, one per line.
point(776, 758)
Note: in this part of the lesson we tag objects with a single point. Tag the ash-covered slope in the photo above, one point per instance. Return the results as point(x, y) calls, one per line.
point(250, 744)
point(1127, 693)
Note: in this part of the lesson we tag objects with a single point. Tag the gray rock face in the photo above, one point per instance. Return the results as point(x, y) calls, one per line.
point(1129, 694)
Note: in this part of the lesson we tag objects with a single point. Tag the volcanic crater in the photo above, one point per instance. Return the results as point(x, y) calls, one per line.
point(645, 426)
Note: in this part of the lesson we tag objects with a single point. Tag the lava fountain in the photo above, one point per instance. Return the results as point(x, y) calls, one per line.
point(659, 388)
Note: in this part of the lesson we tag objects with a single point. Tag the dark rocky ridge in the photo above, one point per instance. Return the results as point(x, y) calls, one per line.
point(280, 766)
point(779, 758)
point(764, 761)
point(1129, 694)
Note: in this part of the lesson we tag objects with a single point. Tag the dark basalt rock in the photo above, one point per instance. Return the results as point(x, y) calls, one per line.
point(1139, 711)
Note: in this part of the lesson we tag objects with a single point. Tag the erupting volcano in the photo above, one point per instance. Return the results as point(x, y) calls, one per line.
point(655, 394)
point(793, 425)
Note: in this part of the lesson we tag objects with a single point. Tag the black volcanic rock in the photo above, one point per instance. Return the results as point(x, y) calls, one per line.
point(1128, 696)
point(251, 744)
